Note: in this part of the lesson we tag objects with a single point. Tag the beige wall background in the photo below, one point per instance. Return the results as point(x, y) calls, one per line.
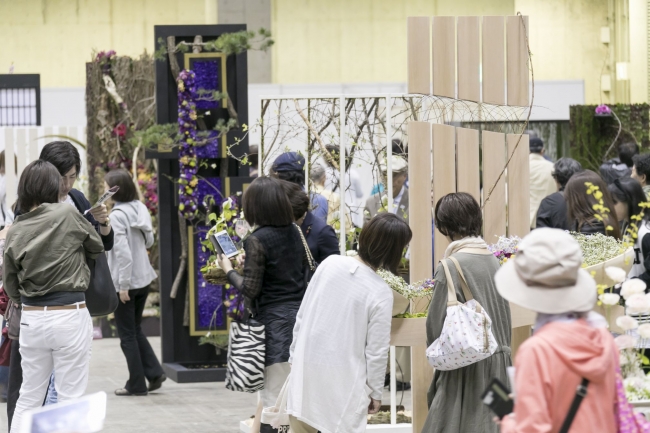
point(317, 41)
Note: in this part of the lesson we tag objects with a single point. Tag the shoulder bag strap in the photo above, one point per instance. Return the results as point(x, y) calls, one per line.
point(310, 258)
point(581, 393)
point(463, 281)
point(451, 290)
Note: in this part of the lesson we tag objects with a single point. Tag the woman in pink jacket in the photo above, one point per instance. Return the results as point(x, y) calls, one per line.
point(569, 344)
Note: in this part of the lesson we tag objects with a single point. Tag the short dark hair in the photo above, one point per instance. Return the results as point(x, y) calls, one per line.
point(399, 148)
point(297, 177)
point(382, 241)
point(626, 152)
point(297, 197)
point(63, 155)
point(266, 204)
point(642, 165)
point(458, 215)
point(122, 179)
point(564, 168)
point(38, 184)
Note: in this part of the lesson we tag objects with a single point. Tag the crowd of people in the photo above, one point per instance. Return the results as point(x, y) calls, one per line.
point(327, 316)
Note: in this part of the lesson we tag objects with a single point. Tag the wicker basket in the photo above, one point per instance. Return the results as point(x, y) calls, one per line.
point(216, 275)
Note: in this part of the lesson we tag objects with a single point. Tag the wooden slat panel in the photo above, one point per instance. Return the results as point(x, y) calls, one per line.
point(469, 171)
point(468, 59)
point(493, 61)
point(419, 134)
point(33, 144)
point(444, 56)
point(49, 131)
point(444, 173)
point(418, 55)
point(518, 186)
point(494, 211)
point(11, 179)
point(517, 60)
point(21, 149)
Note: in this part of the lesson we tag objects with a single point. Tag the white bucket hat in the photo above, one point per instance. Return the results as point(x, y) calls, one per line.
point(546, 275)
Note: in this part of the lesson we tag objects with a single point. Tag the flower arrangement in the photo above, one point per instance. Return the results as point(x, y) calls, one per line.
point(148, 183)
point(598, 248)
point(603, 110)
point(505, 248)
point(188, 180)
point(413, 292)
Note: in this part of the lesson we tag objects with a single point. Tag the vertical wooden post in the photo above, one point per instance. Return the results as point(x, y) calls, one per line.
point(468, 59)
point(519, 223)
point(469, 170)
point(418, 55)
point(444, 172)
point(419, 134)
point(444, 56)
point(493, 61)
point(517, 60)
point(11, 180)
point(494, 210)
point(21, 149)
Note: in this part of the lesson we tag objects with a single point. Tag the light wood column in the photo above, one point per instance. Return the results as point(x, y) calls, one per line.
point(444, 56)
point(493, 64)
point(468, 59)
point(418, 55)
point(517, 60)
point(419, 134)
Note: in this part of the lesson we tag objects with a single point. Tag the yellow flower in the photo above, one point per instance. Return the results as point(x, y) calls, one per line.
point(185, 160)
point(193, 115)
point(181, 86)
point(194, 182)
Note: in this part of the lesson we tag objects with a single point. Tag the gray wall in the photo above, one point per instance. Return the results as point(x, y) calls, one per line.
point(255, 14)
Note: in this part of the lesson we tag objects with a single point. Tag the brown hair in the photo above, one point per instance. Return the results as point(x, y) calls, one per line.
point(297, 197)
point(266, 204)
point(458, 215)
point(38, 184)
point(580, 204)
point(122, 179)
point(2, 163)
point(382, 241)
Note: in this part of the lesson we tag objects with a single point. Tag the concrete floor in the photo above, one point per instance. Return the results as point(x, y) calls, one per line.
point(175, 408)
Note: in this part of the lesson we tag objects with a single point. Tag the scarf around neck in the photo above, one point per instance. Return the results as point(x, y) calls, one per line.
point(468, 242)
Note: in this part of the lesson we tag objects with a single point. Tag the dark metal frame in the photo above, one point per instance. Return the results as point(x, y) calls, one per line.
point(22, 82)
point(179, 349)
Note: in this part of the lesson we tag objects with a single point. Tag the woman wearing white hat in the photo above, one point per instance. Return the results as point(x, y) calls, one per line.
point(571, 347)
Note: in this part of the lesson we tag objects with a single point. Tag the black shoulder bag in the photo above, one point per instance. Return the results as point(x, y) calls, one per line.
point(101, 297)
point(581, 393)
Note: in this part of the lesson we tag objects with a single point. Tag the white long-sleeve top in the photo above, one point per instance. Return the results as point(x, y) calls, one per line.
point(133, 234)
point(340, 346)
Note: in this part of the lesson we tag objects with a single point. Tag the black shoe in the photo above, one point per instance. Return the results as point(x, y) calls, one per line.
point(403, 386)
point(157, 382)
point(124, 392)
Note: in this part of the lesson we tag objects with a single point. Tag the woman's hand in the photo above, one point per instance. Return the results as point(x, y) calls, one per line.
point(224, 263)
point(374, 406)
point(100, 213)
point(241, 258)
point(124, 296)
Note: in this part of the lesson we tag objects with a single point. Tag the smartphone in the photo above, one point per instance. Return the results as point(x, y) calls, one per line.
point(497, 398)
point(223, 244)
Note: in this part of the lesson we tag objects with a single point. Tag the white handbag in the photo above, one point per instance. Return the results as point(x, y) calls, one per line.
point(466, 335)
point(277, 415)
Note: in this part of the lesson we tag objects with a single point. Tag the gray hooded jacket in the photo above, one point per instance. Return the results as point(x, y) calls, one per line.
point(128, 260)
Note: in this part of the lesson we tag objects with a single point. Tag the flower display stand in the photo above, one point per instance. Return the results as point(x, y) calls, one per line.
point(624, 261)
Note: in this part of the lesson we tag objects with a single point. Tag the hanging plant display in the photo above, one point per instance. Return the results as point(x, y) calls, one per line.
point(188, 180)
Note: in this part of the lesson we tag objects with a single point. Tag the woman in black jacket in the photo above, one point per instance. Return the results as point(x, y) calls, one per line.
point(275, 276)
point(627, 194)
point(580, 206)
point(65, 157)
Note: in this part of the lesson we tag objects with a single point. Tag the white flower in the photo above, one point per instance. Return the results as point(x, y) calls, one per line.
point(622, 359)
point(644, 330)
point(609, 298)
point(617, 275)
point(637, 304)
point(627, 323)
point(351, 253)
point(625, 342)
point(632, 287)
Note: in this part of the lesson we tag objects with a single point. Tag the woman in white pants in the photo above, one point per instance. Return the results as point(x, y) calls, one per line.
point(45, 271)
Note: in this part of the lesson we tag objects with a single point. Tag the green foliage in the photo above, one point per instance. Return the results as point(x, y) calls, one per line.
point(591, 136)
point(227, 43)
point(156, 137)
